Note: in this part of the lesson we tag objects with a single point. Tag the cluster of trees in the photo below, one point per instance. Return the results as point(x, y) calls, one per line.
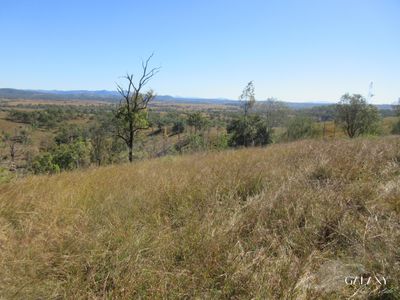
point(320, 113)
point(77, 146)
point(63, 157)
point(194, 121)
point(47, 118)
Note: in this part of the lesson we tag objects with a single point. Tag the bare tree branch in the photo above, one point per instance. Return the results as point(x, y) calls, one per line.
point(133, 102)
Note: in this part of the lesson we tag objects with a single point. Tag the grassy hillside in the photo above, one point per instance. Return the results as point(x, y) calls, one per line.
point(289, 221)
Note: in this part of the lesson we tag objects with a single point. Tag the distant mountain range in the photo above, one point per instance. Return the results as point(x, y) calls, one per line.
point(113, 96)
point(7, 93)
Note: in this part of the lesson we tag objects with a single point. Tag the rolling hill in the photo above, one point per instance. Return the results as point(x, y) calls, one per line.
point(290, 221)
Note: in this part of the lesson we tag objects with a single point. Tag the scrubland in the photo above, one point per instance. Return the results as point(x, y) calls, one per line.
point(288, 221)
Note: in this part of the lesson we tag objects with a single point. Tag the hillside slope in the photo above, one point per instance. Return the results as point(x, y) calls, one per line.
point(289, 221)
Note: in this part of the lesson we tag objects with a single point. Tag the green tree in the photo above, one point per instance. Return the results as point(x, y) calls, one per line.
point(250, 130)
point(221, 141)
point(131, 114)
point(243, 127)
point(101, 139)
point(356, 116)
point(44, 164)
point(69, 133)
point(247, 98)
point(178, 127)
point(263, 131)
point(72, 156)
point(274, 111)
point(300, 127)
point(197, 121)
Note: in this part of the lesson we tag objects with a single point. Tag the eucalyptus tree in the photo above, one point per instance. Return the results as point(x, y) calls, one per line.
point(247, 98)
point(356, 116)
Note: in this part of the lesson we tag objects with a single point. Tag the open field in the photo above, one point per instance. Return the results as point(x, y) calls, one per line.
point(288, 221)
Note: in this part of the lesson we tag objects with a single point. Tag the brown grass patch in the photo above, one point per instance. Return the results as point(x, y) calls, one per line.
point(285, 222)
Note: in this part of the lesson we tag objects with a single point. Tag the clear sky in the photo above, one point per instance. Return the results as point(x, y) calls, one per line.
point(294, 50)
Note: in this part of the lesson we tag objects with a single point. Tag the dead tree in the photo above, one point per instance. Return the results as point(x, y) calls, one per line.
point(12, 141)
point(131, 114)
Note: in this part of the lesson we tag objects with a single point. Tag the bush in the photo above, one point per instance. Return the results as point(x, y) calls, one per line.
point(300, 127)
point(5, 175)
point(178, 127)
point(197, 121)
point(70, 133)
point(44, 164)
point(249, 131)
point(72, 156)
point(196, 142)
point(396, 128)
point(63, 157)
point(220, 142)
point(356, 116)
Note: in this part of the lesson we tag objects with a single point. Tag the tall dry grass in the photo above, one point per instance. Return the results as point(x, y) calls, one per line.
point(286, 222)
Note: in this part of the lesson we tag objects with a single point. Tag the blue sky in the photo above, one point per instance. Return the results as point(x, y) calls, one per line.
point(293, 50)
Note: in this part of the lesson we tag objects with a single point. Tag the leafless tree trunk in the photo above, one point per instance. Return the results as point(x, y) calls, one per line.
point(12, 151)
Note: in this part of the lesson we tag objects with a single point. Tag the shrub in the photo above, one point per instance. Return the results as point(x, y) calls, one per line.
point(249, 131)
point(72, 156)
point(300, 127)
point(356, 116)
point(396, 128)
point(5, 175)
point(197, 121)
point(44, 164)
point(178, 127)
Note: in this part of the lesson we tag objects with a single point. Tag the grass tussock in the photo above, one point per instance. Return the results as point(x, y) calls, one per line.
point(287, 222)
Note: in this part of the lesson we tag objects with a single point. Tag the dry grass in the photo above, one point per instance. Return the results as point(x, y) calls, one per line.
point(388, 123)
point(6, 125)
point(286, 222)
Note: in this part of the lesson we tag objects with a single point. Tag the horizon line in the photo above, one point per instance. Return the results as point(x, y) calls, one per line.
point(191, 97)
